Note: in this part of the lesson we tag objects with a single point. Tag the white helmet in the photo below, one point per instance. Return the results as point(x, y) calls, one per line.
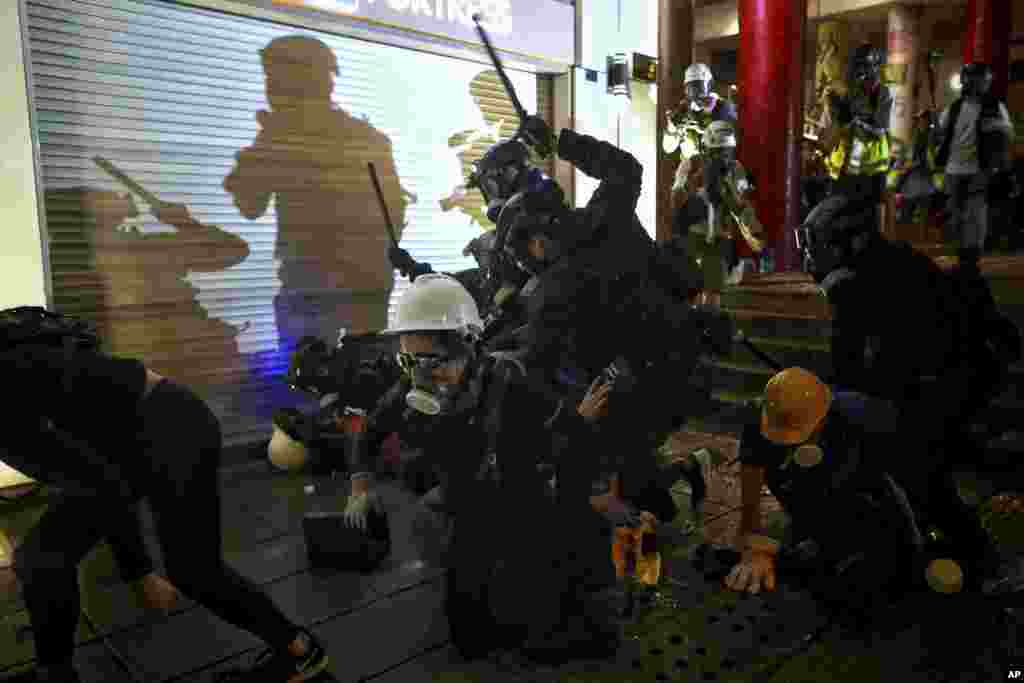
point(697, 72)
point(436, 303)
point(719, 134)
point(286, 453)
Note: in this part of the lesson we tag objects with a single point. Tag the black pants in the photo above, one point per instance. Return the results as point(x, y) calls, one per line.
point(938, 425)
point(180, 446)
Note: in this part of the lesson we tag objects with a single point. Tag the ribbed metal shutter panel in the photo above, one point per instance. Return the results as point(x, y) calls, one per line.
point(170, 95)
point(546, 108)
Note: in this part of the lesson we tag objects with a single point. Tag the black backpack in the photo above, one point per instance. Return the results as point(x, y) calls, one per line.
point(36, 325)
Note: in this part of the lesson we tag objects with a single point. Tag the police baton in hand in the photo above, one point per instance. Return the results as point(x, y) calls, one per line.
point(499, 67)
point(543, 147)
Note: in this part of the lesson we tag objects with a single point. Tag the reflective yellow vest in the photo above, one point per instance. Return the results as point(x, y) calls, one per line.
point(858, 153)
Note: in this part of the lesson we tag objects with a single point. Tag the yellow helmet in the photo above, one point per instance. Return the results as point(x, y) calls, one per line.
point(795, 403)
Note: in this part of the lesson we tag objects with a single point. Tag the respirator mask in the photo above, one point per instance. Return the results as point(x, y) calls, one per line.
point(808, 455)
point(805, 455)
point(427, 395)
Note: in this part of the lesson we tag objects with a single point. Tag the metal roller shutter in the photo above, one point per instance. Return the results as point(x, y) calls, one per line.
point(546, 109)
point(170, 95)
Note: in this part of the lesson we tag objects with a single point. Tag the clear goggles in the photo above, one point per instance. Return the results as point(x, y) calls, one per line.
point(419, 363)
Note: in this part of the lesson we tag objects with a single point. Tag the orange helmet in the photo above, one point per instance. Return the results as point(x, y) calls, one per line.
point(795, 403)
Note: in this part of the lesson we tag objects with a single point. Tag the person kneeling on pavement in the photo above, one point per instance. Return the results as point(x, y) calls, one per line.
point(852, 535)
point(164, 445)
point(523, 561)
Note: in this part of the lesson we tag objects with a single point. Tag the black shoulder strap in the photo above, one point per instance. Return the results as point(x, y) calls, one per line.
point(505, 368)
point(501, 369)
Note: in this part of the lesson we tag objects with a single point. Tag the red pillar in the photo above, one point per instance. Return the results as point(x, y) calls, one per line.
point(771, 89)
point(987, 39)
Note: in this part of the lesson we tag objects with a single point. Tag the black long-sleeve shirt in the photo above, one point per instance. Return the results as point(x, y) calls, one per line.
point(608, 255)
point(72, 422)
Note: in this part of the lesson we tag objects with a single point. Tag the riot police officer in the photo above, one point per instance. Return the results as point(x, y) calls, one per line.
point(860, 161)
point(974, 133)
point(595, 299)
point(899, 320)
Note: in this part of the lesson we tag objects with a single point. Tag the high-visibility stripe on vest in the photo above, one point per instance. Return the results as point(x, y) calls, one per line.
point(868, 155)
point(858, 154)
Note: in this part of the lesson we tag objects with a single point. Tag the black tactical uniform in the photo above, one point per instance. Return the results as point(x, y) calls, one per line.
point(904, 332)
point(598, 302)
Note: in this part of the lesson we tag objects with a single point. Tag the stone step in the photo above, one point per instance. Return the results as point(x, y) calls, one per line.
point(811, 354)
point(796, 297)
point(747, 377)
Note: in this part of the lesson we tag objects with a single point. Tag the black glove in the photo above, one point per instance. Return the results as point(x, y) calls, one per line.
point(405, 264)
point(538, 134)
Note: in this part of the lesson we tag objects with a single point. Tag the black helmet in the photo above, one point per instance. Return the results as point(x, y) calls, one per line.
point(498, 173)
point(975, 78)
point(866, 63)
point(538, 211)
point(827, 236)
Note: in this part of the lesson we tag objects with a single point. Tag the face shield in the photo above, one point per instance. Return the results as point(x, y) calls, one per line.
point(430, 394)
point(821, 253)
point(975, 80)
point(482, 250)
point(524, 227)
point(866, 68)
point(497, 185)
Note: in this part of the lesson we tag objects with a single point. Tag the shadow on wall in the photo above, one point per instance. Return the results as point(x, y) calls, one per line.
point(311, 158)
point(470, 145)
point(135, 286)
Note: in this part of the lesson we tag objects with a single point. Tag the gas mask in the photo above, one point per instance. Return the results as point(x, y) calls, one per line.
point(821, 256)
point(724, 155)
point(698, 91)
point(866, 67)
point(808, 455)
point(499, 174)
point(496, 184)
point(482, 250)
point(517, 248)
point(427, 395)
point(527, 215)
point(805, 455)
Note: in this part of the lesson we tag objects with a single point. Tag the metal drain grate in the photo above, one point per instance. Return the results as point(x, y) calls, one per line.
point(715, 635)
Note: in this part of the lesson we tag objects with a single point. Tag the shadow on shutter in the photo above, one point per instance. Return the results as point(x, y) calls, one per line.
point(271, 229)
